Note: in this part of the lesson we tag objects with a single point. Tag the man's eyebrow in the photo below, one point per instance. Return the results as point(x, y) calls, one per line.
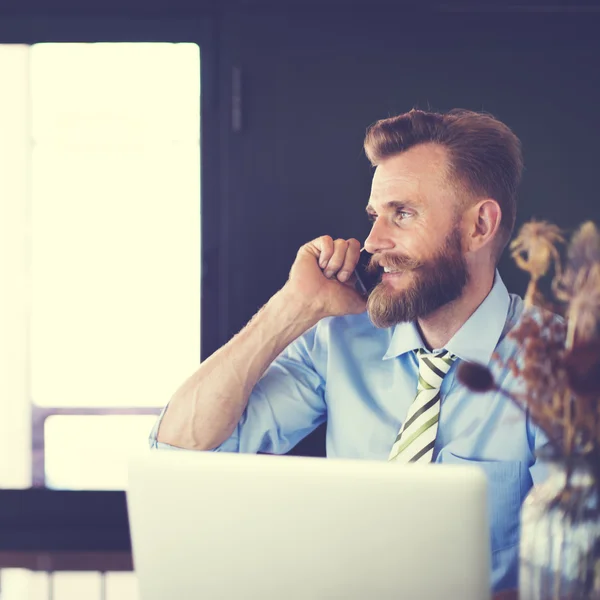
point(393, 204)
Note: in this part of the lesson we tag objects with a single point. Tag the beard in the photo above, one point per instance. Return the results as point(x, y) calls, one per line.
point(435, 283)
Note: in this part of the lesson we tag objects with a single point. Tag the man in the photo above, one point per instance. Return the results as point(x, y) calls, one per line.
point(443, 209)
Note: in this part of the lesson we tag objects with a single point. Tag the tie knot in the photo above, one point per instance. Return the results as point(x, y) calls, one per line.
point(433, 368)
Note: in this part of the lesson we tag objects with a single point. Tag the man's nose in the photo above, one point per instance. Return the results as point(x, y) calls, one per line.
point(379, 238)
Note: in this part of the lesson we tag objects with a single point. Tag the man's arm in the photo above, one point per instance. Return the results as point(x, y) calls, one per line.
point(206, 409)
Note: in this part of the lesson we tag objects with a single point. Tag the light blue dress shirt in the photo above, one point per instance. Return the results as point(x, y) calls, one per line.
point(362, 380)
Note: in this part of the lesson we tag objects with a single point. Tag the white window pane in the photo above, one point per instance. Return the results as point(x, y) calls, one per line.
point(93, 452)
point(107, 92)
point(21, 584)
point(115, 231)
point(74, 585)
point(122, 586)
point(116, 276)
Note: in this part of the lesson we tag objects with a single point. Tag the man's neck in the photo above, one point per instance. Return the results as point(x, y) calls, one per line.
point(438, 328)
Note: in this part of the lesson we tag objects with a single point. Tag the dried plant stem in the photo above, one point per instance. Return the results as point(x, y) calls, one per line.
point(531, 292)
point(569, 428)
point(543, 413)
point(556, 402)
point(585, 422)
point(571, 327)
point(557, 262)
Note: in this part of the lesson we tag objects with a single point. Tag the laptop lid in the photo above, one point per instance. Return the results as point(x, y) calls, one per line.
point(220, 525)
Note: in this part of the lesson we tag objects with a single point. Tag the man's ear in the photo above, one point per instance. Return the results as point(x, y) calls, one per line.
point(483, 222)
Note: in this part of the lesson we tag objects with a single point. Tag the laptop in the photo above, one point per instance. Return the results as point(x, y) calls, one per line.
point(219, 525)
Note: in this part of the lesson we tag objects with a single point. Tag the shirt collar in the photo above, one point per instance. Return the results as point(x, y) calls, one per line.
point(474, 341)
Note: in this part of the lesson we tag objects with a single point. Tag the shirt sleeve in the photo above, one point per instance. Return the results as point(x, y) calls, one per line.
point(287, 403)
point(154, 443)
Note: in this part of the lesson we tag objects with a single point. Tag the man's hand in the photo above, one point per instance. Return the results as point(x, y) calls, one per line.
point(322, 277)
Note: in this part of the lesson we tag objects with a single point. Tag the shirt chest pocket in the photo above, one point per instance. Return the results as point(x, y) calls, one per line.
point(506, 488)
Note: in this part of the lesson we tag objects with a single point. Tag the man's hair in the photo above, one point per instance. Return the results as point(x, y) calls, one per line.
point(485, 155)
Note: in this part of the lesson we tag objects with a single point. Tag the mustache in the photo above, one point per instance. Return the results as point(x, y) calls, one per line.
point(392, 261)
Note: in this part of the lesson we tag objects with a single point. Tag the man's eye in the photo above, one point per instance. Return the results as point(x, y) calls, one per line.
point(403, 214)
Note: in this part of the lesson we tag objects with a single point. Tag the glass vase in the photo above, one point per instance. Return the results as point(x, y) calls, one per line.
point(559, 554)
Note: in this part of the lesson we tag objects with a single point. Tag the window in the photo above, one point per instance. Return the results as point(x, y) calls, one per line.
point(100, 253)
point(19, 584)
point(100, 269)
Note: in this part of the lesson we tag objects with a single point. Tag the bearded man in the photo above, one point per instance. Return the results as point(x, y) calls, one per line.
point(382, 371)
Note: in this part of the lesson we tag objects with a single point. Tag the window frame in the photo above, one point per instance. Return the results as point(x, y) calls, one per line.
point(53, 521)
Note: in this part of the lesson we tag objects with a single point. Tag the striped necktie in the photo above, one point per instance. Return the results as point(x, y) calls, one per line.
point(417, 435)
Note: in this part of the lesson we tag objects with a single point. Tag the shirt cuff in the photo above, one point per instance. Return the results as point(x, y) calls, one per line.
point(229, 445)
point(152, 440)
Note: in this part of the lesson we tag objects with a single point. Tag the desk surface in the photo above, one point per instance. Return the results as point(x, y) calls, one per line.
point(103, 561)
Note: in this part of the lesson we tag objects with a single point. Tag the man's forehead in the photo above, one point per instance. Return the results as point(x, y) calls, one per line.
point(395, 185)
point(385, 181)
point(410, 172)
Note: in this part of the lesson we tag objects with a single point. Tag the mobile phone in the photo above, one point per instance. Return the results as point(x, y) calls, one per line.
point(366, 281)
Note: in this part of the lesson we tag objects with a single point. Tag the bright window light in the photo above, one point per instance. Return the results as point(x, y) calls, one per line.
point(115, 222)
point(92, 452)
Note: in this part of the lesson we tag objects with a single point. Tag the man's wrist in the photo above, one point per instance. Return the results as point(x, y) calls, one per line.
point(296, 307)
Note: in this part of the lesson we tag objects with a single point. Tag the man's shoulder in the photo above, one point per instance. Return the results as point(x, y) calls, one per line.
point(348, 335)
point(521, 317)
point(332, 329)
point(345, 322)
point(517, 312)
point(339, 331)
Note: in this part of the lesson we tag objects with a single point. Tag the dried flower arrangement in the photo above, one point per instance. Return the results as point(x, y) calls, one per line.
point(559, 360)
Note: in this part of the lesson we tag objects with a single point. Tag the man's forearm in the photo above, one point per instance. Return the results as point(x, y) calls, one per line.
point(205, 410)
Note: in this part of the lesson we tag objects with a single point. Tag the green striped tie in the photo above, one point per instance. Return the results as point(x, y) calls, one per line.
point(416, 438)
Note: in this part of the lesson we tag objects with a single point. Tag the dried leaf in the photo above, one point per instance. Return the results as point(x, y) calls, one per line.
point(584, 249)
point(534, 248)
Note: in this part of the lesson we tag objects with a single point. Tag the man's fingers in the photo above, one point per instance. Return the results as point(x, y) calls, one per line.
point(326, 248)
point(337, 258)
point(350, 260)
point(340, 247)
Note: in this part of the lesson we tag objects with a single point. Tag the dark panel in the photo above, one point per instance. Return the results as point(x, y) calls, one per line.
point(44, 520)
point(185, 7)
